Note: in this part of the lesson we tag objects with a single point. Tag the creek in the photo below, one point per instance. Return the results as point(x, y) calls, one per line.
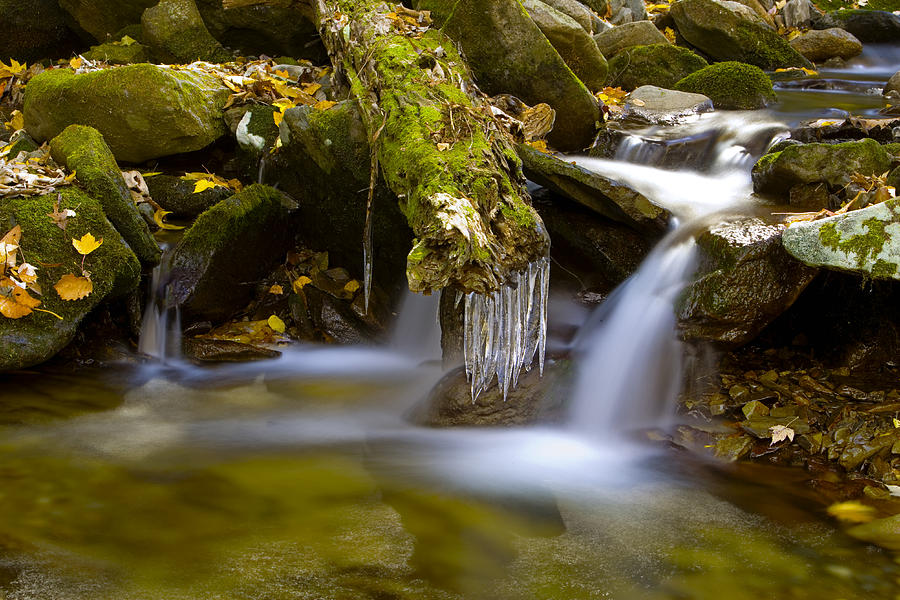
point(301, 477)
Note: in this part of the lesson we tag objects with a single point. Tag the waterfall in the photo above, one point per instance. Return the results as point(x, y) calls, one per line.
point(161, 327)
point(417, 331)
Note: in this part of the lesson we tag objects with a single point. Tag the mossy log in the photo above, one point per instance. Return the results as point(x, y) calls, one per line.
point(440, 150)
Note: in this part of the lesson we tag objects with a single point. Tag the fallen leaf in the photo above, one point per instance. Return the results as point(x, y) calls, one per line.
point(351, 286)
point(27, 273)
point(9, 246)
point(301, 281)
point(324, 104)
point(896, 422)
point(159, 217)
point(276, 289)
point(203, 185)
point(16, 121)
point(443, 146)
point(87, 244)
point(60, 217)
point(70, 287)
point(781, 433)
point(852, 512)
point(127, 40)
point(276, 324)
point(278, 117)
point(15, 302)
point(76, 62)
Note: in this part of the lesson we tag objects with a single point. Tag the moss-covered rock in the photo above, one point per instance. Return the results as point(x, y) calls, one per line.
point(777, 172)
point(119, 54)
point(574, 44)
point(35, 30)
point(82, 150)
point(877, 26)
point(143, 111)
point(255, 130)
point(227, 249)
point(743, 281)
point(177, 195)
point(177, 34)
point(103, 18)
point(638, 33)
point(662, 65)
point(865, 241)
point(727, 34)
point(508, 54)
point(113, 267)
point(730, 85)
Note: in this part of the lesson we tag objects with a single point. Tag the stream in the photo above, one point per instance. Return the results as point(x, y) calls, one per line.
point(302, 478)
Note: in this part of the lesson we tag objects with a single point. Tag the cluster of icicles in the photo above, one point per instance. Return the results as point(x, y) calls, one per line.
point(503, 330)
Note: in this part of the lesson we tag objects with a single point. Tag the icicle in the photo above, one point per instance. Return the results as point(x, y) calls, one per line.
point(503, 330)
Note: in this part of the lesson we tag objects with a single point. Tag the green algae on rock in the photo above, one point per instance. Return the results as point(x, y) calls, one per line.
point(118, 54)
point(662, 65)
point(730, 85)
point(864, 241)
point(778, 172)
point(114, 270)
point(82, 150)
point(143, 111)
point(176, 32)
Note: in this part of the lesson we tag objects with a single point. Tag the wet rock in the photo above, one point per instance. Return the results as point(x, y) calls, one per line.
point(35, 30)
point(760, 427)
point(662, 65)
point(733, 448)
point(848, 128)
point(535, 400)
point(609, 198)
point(115, 271)
point(777, 172)
point(336, 320)
point(325, 163)
point(102, 18)
point(861, 241)
point(655, 105)
point(206, 350)
point(730, 85)
point(119, 54)
point(508, 54)
point(892, 85)
point(227, 249)
point(575, 45)
point(881, 532)
point(177, 34)
point(143, 111)
point(575, 10)
point(177, 195)
point(637, 33)
point(744, 280)
point(729, 34)
point(83, 151)
point(867, 25)
point(255, 130)
point(799, 13)
point(822, 44)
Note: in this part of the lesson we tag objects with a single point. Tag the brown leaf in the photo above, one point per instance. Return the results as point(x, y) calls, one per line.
point(70, 287)
point(15, 302)
point(59, 217)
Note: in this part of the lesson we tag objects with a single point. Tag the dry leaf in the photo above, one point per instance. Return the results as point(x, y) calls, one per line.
point(301, 281)
point(324, 104)
point(27, 273)
point(276, 289)
point(87, 244)
point(76, 62)
point(127, 40)
point(351, 286)
point(15, 302)
point(443, 146)
point(278, 117)
point(70, 287)
point(60, 217)
point(9, 246)
point(781, 433)
point(159, 217)
point(276, 324)
point(203, 185)
point(852, 512)
point(16, 121)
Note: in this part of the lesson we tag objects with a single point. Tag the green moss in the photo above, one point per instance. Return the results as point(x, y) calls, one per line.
point(883, 269)
point(661, 65)
point(730, 85)
point(175, 30)
point(118, 54)
point(863, 246)
point(765, 49)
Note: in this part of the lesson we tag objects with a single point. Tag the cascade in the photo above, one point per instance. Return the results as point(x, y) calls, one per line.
point(161, 326)
point(503, 330)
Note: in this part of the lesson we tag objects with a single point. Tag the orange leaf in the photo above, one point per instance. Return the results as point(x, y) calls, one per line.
point(70, 287)
point(15, 302)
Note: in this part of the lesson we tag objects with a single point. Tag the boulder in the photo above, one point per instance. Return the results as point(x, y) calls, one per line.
point(143, 111)
point(658, 106)
point(860, 241)
point(744, 280)
point(177, 195)
point(727, 33)
point(82, 150)
point(35, 30)
point(778, 172)
point(103, 18)
point(119, 54)
point(228, 248)
point(637, 33)
point(575, 10)
point(626, 11)
point(508, 54)
point(177, 34)
point(798, 13)
point(598, 6)
point(877, 26)
point(661, 65)
point(114, 269)
point(730, 85)
point(822, 44)
point(574, 44)
point(892, 85)
point(604, 196)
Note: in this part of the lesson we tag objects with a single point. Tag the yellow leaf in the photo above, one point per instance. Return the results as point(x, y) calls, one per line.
point(351, 286)
point(16, 121)
point(311, 88)
point(159, 217)
point(127, 40)
point(670, 34)
point(151, 174)
point(76, 62)
point(9, 247)
point(443, 146)
point(276, 289)
point(852, 511)
point(277, 117)
point(281, 73)
point(27, 273)
point(539, 145)
point(203, 185)
point(70, 287)
point(324, 104)
point(13, 67)
point(283, 104)
point(896, 422)
point(301, 281)
point(87, 244)
point(276, 324)
point(15, 302)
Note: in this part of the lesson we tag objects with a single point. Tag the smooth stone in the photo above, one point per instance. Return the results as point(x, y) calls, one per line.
point(892, 85)
point(876, 26)
point(821, 44)
point(658, 105)
point(205, 350)
point(637, 33)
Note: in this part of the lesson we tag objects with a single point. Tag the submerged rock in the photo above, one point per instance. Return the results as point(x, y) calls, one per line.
point(609, 198)
point(208, 350)
point(819, 45)
point(82, 150)
point(655, 105)
point(730, 85)
point(778, 172)
point(508, 54)
point(744, 280)
point(662, 65)
point(725, 32)
point(638, 33)
point(867, 25)
point(861, 241)
point(177, 34)
point(114, 271)
point(143, 111)
point(227, 249)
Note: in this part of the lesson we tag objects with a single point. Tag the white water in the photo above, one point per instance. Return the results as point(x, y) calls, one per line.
point(161, 326)
point(417, 330)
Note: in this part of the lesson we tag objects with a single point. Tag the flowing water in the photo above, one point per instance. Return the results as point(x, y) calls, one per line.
point(301, 478)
